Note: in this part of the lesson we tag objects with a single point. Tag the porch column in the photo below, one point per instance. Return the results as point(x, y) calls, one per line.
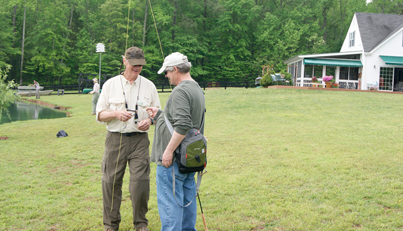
point(337, 74)
point(323, 75)
point(302, 76)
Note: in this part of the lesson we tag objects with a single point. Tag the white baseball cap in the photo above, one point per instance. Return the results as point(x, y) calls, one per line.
point(173, 60)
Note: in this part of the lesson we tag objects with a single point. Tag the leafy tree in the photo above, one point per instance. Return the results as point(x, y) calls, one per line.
point(85, 53)
point(386, 6)
point(226, 40)
point(234, 51)
point(6, 38)
point(6, 92)
point(47, 41)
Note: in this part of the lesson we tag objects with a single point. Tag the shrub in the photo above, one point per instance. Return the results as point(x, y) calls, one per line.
point(266, 80)
point(7, 95)
point(288, 76)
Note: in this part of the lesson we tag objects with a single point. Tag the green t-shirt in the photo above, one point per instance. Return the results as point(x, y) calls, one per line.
point(184, 110)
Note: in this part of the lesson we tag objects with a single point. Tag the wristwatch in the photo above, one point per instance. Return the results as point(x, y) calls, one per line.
point(152, 120)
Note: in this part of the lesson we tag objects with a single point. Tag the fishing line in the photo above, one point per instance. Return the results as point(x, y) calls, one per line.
point(125, 123)
point(127, 27)
point(151, 7)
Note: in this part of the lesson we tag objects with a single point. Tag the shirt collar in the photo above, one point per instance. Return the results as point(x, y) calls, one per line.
point(136, 82)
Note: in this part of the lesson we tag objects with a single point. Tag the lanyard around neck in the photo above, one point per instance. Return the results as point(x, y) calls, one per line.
point(138, 97)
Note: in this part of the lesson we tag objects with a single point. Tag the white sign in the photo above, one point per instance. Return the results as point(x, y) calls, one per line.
point(100, 47)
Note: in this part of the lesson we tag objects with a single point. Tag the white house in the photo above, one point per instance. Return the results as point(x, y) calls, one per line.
point(371, 56)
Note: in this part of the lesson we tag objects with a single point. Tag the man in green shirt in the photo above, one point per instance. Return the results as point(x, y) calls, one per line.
point(184, 110)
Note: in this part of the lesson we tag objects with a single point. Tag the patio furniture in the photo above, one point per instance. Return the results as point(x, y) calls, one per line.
point(278, 80)
point(257, 81)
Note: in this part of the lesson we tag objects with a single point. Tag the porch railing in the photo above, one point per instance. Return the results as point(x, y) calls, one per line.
point(345, 84)
point(307, 82)
point(348, 84)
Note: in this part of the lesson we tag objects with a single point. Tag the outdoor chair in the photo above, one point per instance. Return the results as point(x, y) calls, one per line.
point(278, 80)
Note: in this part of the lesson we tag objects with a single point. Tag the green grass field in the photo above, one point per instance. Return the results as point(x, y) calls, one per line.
point(279, 159)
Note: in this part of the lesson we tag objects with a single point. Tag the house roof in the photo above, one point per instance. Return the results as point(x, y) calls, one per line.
point(323, 55)
point(375, 28)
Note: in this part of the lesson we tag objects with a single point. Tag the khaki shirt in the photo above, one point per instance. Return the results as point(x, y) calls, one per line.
point(112, 98)
point(95, 89)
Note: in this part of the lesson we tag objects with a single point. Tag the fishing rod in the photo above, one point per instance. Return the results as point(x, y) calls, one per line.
point(201, 208)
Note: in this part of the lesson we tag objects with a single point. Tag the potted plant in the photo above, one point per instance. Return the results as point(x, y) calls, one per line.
point(315, 82)
point(327, 80)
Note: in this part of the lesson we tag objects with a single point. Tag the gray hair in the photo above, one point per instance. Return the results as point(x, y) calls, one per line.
point(183, 67)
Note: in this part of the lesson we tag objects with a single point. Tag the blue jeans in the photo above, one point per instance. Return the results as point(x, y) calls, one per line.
point(174, 217)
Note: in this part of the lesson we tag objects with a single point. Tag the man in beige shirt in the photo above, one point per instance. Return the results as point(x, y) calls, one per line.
point(121, 106)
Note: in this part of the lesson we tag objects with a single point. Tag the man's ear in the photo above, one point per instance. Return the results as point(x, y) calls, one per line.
point(124, 61)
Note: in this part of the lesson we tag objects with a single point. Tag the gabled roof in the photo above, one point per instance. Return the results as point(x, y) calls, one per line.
point(375, 28)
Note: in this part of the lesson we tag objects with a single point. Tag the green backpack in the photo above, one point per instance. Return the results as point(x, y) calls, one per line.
point(191, 154)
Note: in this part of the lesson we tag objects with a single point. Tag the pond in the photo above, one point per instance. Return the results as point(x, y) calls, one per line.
point(24, 111)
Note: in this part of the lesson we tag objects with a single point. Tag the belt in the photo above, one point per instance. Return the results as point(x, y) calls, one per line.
point(131, 133)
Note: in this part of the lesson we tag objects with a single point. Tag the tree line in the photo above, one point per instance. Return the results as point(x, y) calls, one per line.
point(52, 41)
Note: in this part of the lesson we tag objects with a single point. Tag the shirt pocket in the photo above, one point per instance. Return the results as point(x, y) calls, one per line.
point(144, 102)
point(116, 104)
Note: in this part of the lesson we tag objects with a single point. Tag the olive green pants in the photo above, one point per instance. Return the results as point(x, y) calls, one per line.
point(134, 151)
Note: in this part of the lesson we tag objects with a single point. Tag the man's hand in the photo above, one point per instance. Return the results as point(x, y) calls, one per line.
point(110, 115)
point(144, 125)
point(167, 158)
point(152, 111)
point(123, 115)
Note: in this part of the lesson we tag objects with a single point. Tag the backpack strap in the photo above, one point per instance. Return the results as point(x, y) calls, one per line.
point(171, 130)
point(199, 175)
point(169, 125)
point(199, 178)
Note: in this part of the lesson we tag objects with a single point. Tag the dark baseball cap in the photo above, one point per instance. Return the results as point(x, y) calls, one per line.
point(135, 56)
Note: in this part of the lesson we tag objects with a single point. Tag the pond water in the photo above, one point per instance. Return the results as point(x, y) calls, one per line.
point(24, 111)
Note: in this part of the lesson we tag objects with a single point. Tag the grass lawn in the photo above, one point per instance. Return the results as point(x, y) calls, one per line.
point(279, 159)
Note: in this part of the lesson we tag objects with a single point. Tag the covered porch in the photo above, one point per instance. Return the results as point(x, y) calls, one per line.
point(344, 67)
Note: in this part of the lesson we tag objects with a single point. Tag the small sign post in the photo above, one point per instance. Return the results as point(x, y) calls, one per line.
point(100, 50)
